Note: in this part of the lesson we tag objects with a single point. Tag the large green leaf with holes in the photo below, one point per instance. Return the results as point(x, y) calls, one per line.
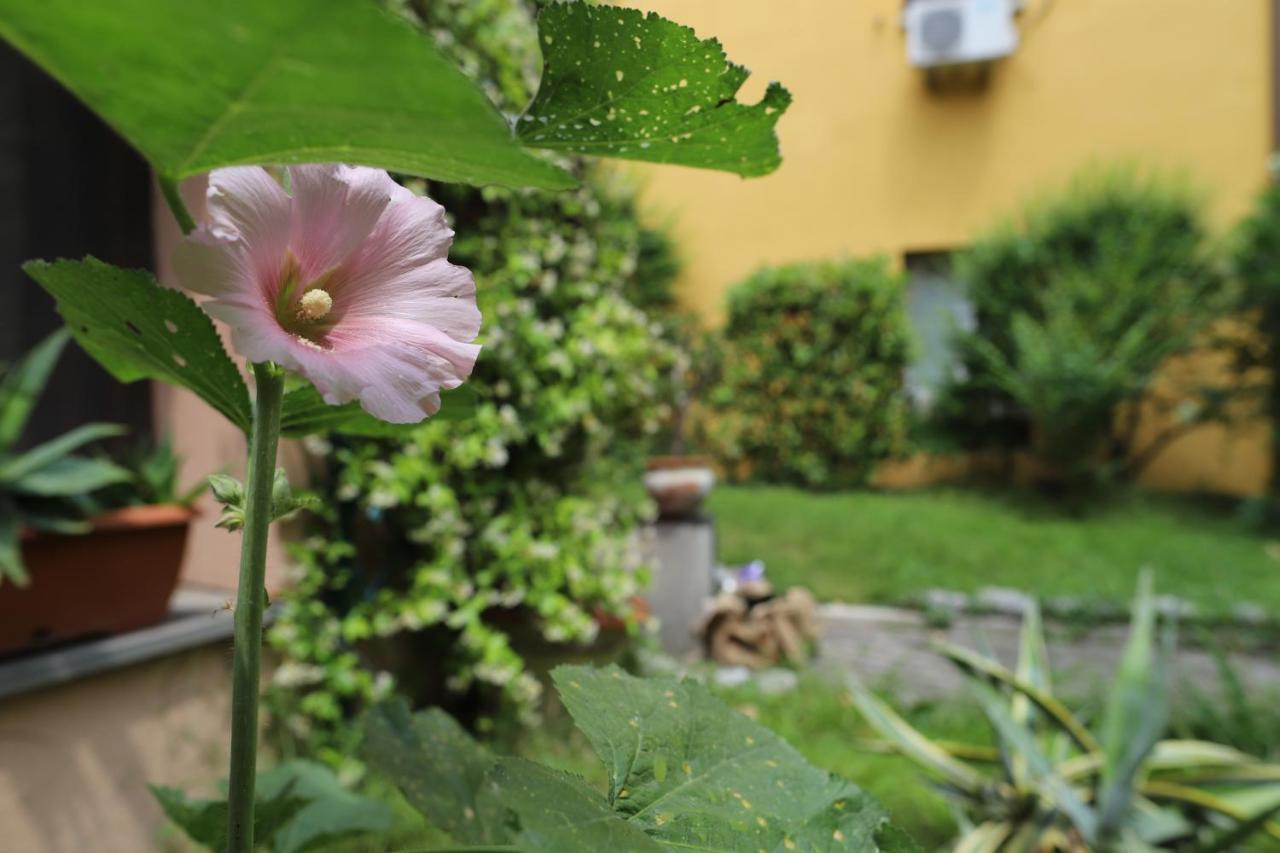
point(694, 773)
point(553, 812)
point(137, 329)
point(619, 83)
point(478, 799)
point(686, 772)
point(198, 85)
point(438, 767)
point(207, 83)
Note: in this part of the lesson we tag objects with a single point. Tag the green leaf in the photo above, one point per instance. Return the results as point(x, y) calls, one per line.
point(619, 83)
point(11, 565)
point(1033, 669)
point(693, 772)
point(16, 467)
point(197, 85)
point(331, 811)
point(1233, 837)
point(555, 812)
point(304, 412)
point(137, 329)
point(205, 821)
point(23, 383)
point(298, 806)
point(55, 523)
point(984, 838)
point(284, 501)
point(908, 740)
point(1043, 776)
point(1199, 798)
point(982, 667)
point(1033, 663)
point(69, 477)
point(1136, 713)
point(438, 767)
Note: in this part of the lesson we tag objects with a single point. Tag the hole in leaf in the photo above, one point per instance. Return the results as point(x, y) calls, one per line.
point(133, 328)
point(179, 360)
point(171, 326)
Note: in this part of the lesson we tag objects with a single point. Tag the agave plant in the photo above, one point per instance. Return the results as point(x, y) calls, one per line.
point(46, 487)
point(1052, 783)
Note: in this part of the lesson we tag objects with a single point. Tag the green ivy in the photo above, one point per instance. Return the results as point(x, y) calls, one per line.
point(811, 378)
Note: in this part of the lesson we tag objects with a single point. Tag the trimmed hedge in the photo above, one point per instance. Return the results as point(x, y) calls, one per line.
point(810, 386)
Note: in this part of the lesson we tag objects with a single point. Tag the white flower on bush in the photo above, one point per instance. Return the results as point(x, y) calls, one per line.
point(292, 674)
point(495, 453)
point(382, 499)
point(544, 550)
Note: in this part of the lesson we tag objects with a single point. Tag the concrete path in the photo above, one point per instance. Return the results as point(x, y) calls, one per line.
point(892, 646)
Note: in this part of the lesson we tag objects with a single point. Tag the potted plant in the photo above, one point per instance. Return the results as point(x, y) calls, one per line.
point(87, 546)
point(679, 482)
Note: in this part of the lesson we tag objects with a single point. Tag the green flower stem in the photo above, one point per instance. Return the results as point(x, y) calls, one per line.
point(246, 666)
point(169, 188)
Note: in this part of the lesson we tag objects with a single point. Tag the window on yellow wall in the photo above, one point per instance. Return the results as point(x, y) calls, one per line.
point(938, 309)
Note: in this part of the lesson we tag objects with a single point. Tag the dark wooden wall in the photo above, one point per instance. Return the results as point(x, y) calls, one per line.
point(68, 187)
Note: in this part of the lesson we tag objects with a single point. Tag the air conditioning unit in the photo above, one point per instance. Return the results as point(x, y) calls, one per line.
point(959, 32)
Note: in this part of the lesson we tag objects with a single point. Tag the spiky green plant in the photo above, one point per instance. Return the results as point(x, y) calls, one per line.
point(45, 487)
point(1053, 784)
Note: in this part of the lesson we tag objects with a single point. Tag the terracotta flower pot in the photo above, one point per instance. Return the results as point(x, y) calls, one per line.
point(117, 578)
point(678, 484)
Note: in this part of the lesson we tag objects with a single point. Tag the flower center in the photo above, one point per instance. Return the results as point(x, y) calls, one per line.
point(314, 305)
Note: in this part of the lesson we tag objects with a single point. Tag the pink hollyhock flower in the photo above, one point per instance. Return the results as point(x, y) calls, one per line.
point(346, 283)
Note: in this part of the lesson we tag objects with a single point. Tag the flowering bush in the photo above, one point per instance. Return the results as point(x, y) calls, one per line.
point(526, 505)
point(811, 384)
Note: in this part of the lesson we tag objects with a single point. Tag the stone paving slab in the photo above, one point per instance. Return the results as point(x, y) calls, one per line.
point(890, 645)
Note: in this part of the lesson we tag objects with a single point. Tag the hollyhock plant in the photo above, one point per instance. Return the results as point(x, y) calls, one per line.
point(345, 282)
point(334, 273)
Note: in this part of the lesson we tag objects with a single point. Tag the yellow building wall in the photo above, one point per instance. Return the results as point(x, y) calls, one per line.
point(873, 162)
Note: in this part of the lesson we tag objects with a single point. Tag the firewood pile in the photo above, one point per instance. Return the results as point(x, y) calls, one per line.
point(747, 625)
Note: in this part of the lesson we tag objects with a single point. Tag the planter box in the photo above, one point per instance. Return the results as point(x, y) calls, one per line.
point(117, 578)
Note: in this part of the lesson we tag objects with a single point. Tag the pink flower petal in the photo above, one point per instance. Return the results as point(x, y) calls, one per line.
point(439, 293)
point(395, 373)
point(245, 202)
point(411, 232)
point(214, 266)
point(335, 208)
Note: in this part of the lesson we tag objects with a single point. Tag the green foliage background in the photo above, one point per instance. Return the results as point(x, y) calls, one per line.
point(1056, 290)
point(521, 517)
point(810, 386)
point(1257, 264)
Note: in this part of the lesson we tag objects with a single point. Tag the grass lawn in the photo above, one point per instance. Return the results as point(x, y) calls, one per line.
point(892, 546)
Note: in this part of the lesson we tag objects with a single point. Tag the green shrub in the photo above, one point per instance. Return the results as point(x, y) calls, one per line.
point(1257, 265)
point(1078, 303)
point(810, 389)
point(520, 518)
